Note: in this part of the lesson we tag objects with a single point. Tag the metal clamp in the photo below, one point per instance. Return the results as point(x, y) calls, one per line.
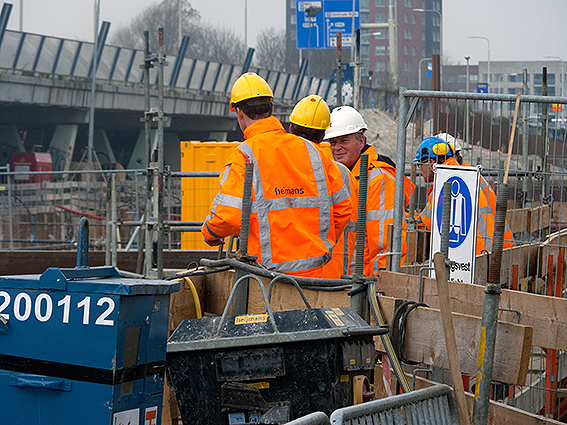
point(518, 314)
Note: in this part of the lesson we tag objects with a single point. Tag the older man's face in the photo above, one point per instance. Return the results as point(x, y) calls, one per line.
point(346, 149)
point(427, 170)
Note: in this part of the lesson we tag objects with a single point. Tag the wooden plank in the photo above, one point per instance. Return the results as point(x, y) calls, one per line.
point(498, 413)
point(529, 219)
point(547, 315)
point(425, 343)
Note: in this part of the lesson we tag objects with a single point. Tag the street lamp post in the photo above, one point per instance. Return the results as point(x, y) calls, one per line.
point(90, 141)
point(440, 40)
point(419, 72)
point(467, 59)
point(488, 41)
point(562, 84)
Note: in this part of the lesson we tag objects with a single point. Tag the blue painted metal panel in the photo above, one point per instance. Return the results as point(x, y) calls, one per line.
point(4, 18)
point(216, 77)
point(114, 62)
point(101, 41)
point(76, 59)
point(179, 60)
point(38, 54)
point(248, 60)
point(227, 85)
point(204, 75)
point(19, 50)
point(130, 65)
point(191, 72)
point(57, 55)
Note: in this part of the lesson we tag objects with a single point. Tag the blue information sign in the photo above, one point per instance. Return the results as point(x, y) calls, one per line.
point(482, 87)
point(318, 23)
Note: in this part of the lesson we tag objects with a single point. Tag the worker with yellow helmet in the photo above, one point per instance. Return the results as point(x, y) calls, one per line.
point(309, 119)
point(300, 205)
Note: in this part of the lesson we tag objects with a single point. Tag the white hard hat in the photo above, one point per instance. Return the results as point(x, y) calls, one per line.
point(345, 120)
point(451, 140)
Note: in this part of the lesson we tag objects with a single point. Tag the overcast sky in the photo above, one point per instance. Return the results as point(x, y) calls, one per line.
point(516, 29)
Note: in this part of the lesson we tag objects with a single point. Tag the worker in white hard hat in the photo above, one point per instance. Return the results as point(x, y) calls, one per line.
point(300, 205)
point(309, 119)
point(348, 143)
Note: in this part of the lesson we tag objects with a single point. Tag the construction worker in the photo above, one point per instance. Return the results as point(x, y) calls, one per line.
point(434, 150)
point(300, 205)
point(488, 191)
point(348, 143)
point(309, 119)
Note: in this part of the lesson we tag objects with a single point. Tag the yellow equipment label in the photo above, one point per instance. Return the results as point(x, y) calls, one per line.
point(344, 378)
point(261, 385)
point(332, 315)
point(338, 311)
point(352, 361)
point(251, 318)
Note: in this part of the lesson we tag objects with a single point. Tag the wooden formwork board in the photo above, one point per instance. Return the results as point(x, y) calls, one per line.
point(425, 342)
point(547, 315)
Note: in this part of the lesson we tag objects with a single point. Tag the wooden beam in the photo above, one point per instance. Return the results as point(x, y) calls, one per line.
point(546, 315)
point(425, 343)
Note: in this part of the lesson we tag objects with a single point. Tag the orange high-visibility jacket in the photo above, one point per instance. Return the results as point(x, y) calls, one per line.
point(509, 240)
point(344, 249)
point(300, 205)
point(485, 224)
point(380, 210)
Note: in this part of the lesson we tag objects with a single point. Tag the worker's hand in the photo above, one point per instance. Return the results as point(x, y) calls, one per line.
point(214, 242)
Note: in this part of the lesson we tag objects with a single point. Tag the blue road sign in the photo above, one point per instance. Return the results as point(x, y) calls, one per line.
point(319, 21)
point(482, 87)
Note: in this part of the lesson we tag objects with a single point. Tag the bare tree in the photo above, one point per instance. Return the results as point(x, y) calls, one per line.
point(213, 43)
point(178, 18)
point(171, 15)
point(270, 49)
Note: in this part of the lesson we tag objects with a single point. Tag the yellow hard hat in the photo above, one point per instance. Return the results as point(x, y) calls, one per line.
point(248, 86)
point(311, 112)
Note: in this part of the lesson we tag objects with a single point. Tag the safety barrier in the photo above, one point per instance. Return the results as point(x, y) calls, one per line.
point(433, 405)
point(317, 418)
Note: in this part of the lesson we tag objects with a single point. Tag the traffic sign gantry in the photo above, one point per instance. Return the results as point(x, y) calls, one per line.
point(318, 23)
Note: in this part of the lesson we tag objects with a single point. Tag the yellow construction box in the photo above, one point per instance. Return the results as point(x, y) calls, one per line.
point(198, 193)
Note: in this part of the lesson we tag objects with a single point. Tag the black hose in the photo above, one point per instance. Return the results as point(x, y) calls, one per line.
point(304, 282)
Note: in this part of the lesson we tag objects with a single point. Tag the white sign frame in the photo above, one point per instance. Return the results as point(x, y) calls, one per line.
point(463, 225)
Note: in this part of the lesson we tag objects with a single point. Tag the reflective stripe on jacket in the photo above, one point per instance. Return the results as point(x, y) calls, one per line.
point(344, 249)
point(490, 194)
point(485, 222)
point(300, 204)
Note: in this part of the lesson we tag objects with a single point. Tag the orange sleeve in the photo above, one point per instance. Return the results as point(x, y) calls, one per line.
point(226, 210)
